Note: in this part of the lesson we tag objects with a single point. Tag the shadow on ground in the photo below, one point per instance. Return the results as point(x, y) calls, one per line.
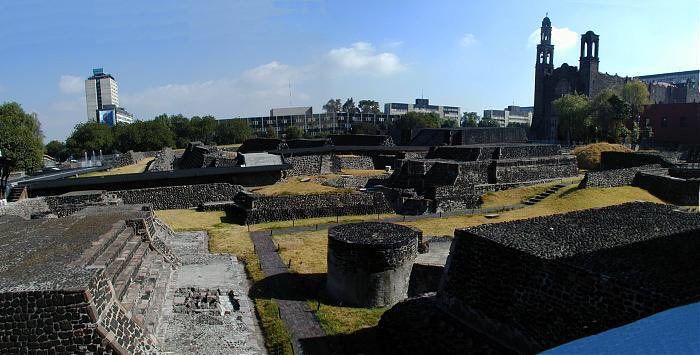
point(290, 286)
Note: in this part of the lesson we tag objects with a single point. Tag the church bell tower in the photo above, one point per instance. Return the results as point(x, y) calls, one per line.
point(544, 66)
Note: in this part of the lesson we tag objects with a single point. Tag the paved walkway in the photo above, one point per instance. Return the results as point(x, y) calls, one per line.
point(298, 318)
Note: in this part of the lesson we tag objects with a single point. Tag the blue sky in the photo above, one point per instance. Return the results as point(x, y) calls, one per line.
point(237, 58)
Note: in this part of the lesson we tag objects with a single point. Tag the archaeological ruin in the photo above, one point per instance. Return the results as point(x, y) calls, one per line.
point(527, 286)
point(369, 263)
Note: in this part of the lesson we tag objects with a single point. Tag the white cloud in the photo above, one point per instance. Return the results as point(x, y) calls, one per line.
point(71, 84)
point(562, 38)
point(253, 92)
point(467, 40)
point(362, 57)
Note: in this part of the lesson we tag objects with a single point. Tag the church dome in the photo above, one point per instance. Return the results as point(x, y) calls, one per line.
point(546, 22)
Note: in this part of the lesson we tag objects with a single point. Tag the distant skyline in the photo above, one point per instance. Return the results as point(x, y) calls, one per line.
point(239, 58)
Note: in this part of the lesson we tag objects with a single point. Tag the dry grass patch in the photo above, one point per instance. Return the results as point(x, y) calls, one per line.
point(320, 220)
point(139, 167)
point(294, 186)
point(345, 320)
point(567, 199)
point(588, 156)
point(190, 220)
point(514, 196)
point(306, 250)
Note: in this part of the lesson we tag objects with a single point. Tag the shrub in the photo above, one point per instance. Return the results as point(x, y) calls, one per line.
point(588, 156)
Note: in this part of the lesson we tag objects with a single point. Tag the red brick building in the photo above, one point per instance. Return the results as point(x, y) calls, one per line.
point(674, 123)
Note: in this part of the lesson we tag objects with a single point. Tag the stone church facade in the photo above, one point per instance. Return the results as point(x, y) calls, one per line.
point(551, 83)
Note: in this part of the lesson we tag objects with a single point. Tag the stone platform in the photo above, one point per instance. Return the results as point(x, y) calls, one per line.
point(226, 322)
point(85, 282)
point(530, 285)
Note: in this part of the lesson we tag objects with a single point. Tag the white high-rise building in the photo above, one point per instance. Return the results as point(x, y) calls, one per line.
point(102, 98)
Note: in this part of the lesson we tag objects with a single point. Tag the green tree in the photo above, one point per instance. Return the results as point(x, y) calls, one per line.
point(21, 138)
point(233, 131)
point(487, 122)
point(448, 123)
point(364, 128)
point(470, 119)
point(332, 106)
point(90, 136)
point(636, 94)
point(518, 124)
point(368, 106)
point(271, 132)
point(349, 106)
point(293, 132)
point(57, 150)
point(575, 121)
point(202, 129)
point(418, 120)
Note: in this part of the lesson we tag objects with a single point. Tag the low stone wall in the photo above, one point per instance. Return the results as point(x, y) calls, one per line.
point(174, 197)
point(357, 162)
point(258, 209)
point(530, 169)
point(25, 208)
point(357, 181)
point(683, 192)
point(621, 160)
point(164, 161)
point(613, 177)
point(128, 158)
point(311, 164)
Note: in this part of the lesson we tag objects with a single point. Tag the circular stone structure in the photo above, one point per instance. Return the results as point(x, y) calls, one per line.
point(369, 263)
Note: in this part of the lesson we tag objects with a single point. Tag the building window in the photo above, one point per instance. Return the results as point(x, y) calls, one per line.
point(684, 122)
point(664, 122)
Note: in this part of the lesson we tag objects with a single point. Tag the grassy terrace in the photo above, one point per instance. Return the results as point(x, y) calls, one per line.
point(305, 185)
point(129, 169)
point(306, 251)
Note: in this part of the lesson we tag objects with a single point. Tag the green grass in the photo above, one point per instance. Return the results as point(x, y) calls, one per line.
point(345, 320)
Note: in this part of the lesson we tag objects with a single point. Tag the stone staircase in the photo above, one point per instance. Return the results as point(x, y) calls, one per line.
point(17, 193)
point(138, 265)
point(541, 196)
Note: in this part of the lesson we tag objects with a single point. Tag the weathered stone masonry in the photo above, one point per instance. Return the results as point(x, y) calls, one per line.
point(173, 197)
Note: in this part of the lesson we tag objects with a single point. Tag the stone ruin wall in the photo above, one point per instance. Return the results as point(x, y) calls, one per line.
point(683, 192)
point(290, 207)
point(621, 160)
point(164, 161)
point(25, 208)
point(131, 157)
point(479, 282)
point(613, 177)
point(356, 162)
point(534, 169)
point(69, 321)
point(370, 275)
point(175, 197)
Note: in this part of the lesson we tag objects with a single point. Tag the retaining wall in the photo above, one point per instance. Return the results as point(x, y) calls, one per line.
point(174, 197)
point(678, 191)
point(258, 209)
point(613, 177)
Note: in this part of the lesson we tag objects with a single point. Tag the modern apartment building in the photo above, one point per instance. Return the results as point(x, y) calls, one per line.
point(102, 99)
point(422, 105)
point(314, 123)
point(509, 115)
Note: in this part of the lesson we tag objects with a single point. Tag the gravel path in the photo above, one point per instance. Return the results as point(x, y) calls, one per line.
point(296, 314)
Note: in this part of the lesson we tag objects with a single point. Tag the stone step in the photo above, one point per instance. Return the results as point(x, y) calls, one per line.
point(103, 243)
point(117, 265)
point(114, 248)
point(124, 278)
point(529, 203)
point(559, 186)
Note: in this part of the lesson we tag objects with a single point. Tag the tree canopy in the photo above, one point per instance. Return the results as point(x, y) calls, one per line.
point(233, 131)
point(470, 119)
point(418, 120)
point(21, 138)
point(575, 122)
point(293, 132)
point(332, 106)
point(488, 122)
point(369, 106)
